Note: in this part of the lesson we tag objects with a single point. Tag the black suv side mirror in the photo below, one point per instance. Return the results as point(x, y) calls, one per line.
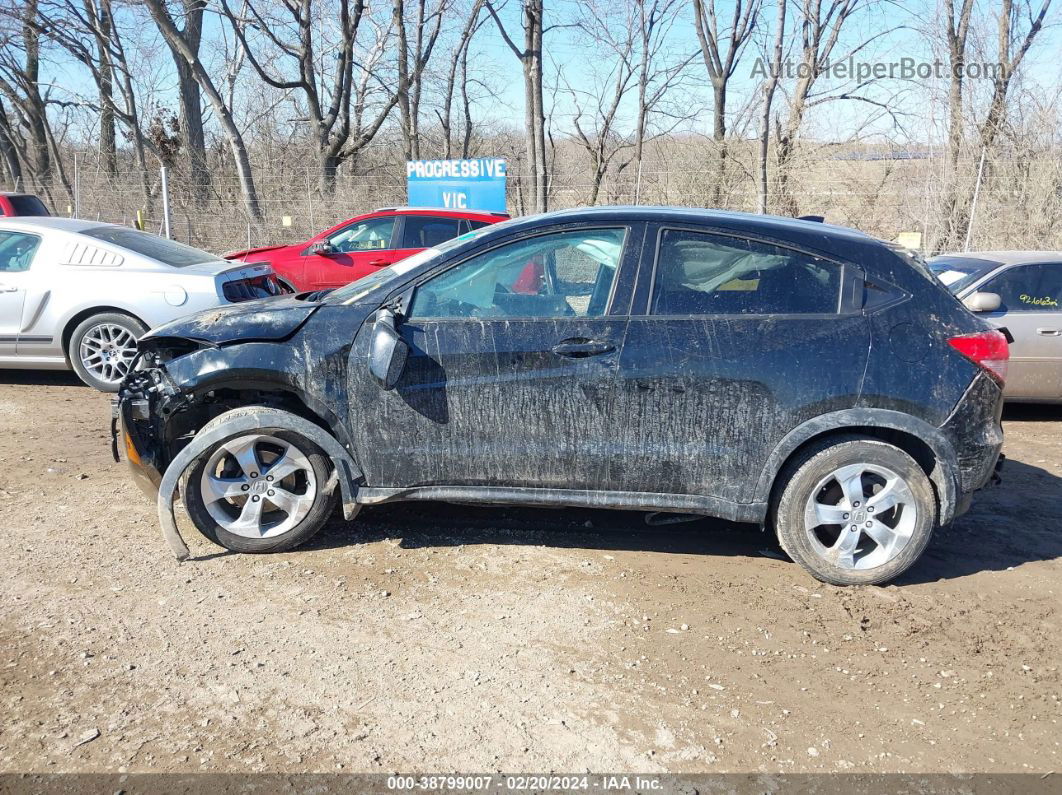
point(387, 350)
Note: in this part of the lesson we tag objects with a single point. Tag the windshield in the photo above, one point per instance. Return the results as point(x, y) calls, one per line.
point(168, 252)
point(356, 291)
point(958, 273)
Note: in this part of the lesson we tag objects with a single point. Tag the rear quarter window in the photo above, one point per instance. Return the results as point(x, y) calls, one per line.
point(169, 252)
point(702, 273)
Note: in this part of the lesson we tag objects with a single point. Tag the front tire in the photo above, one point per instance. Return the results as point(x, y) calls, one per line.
point(854, 511)
point(102, 347)
point(260, 491)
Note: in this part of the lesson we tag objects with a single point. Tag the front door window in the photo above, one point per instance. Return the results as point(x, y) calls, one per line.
point(564, 274)
point(373, 234)
point(1031, 309)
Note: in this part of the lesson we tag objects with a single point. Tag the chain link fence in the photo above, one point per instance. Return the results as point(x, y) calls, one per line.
point(884, 193)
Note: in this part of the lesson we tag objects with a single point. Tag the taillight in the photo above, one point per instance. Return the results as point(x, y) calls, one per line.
point(987, 349)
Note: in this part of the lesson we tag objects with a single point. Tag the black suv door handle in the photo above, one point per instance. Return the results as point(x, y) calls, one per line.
point(580, 347)
point(1049, 332)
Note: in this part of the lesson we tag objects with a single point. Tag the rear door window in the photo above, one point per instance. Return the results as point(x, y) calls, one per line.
point(1028, 288)
point(425, 231)
point(699, 273)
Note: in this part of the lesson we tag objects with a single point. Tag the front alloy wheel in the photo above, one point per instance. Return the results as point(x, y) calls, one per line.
point(260, 492)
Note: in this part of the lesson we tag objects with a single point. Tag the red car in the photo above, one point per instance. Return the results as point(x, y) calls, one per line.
point(21, 204)
point(363, 245)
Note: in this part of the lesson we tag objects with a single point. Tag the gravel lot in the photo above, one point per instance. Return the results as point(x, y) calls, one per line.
point(435, 637)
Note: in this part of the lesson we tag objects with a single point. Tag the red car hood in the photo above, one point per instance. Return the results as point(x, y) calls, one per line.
point(247, 253)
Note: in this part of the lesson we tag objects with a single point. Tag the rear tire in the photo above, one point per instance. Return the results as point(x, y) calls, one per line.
point(260, 491)
point(854, 511)
point(102, 347)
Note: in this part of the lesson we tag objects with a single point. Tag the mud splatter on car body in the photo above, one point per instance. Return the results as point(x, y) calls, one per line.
point(693, 412)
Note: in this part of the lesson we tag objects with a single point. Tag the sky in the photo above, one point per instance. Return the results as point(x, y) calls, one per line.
point(915, 106)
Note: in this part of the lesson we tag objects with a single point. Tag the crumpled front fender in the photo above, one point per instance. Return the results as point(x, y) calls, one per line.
point(253, 418)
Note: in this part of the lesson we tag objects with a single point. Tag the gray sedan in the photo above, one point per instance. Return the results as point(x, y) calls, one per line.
point(1021, 290)
point(80, 293)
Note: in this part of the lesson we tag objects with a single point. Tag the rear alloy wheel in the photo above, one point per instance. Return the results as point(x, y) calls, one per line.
point(260, 492)
point(102, 348)
point(855, 511)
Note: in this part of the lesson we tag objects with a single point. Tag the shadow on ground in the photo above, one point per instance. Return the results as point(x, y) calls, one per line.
point(1009, 525)
point(41, 378)
point(1032, 412)
point(425, 524)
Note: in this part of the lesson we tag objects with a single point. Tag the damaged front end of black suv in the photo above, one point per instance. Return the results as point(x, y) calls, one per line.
point(190, 371)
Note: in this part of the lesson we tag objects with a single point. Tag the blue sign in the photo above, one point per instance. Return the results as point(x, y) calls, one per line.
point(457, 184)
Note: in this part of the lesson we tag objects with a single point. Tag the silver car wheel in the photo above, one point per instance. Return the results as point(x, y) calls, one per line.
point(106, 351)
point(860, 516)
point(258, 486)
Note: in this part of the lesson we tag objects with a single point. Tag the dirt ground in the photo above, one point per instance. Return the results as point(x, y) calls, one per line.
point(435, 637)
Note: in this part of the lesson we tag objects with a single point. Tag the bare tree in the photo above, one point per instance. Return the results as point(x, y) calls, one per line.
point(602, 87)
point(659, 72)
point(335, 100)
point(184, 46)
point(820, 39)
point(175, 38)
point(721, 49)
point(458, 65)
point(1017, 28)
point(10, 146)
point(101, 31)
point(412, 61)
point(20, 83)
point(530, 57)
point(1013, 44)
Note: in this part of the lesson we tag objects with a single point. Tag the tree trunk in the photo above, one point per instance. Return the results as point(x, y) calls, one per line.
point(533, 10)
point(189, 94)
point(9, 152)
point(769, 88)
point(719, 137)
point(403, 79)
point(108, 141)
point(177, 43)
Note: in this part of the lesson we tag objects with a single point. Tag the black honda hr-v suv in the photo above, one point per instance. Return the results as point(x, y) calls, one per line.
point(759, 369)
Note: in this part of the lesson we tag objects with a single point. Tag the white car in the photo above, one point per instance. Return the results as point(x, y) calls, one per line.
point(80, 294)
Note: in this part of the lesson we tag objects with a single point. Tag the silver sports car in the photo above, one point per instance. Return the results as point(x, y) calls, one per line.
point(1021, 290)
point(80, 293)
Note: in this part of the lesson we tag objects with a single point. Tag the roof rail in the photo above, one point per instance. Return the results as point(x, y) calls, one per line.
point(441, 209)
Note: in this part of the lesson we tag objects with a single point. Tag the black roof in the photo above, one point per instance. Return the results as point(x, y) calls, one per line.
point(812, 234)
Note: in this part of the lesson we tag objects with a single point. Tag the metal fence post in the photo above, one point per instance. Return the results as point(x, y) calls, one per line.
point(165, 204)
point(77, 189)
point(973, 205)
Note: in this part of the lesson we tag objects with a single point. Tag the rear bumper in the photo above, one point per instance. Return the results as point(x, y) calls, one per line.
point(976, 434)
